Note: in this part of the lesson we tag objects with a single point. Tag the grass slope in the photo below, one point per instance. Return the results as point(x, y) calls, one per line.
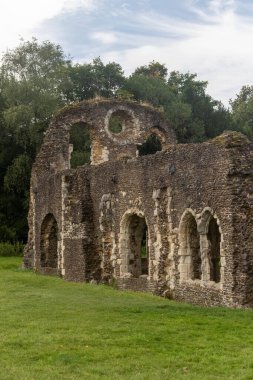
point(51, 329)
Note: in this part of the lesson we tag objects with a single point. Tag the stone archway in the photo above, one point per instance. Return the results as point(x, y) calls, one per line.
point(49, 243)
point(189, 250)
point(134, 246)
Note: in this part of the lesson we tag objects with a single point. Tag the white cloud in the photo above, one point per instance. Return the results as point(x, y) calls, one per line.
point(218, 47)
point(18, 18)
point(216, 43)
point(104, 37)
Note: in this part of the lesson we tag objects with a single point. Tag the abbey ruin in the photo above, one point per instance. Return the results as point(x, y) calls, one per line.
point(177, 223)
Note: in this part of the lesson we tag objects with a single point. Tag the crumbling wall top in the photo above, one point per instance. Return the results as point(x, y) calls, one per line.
point(135, 123)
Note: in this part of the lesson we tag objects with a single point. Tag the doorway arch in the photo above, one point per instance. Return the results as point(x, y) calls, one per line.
point(134, 245)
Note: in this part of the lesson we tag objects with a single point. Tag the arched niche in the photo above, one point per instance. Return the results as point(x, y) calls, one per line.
point(80, 144)
point(134, 245)
point(189, 249)
point(49, 243)
point(211, 246)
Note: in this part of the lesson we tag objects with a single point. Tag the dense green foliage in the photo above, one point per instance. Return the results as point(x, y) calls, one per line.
point(52, 329)
point(94, 79)
point(194, 115)
point(242, 111)
point(33, 82)
point(8, 249)
point(36, 79)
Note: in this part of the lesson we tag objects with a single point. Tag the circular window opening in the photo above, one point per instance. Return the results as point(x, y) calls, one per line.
point(118, 122)
point(115, 124)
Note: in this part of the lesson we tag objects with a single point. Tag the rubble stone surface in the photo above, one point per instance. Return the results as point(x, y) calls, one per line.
point(178, 223)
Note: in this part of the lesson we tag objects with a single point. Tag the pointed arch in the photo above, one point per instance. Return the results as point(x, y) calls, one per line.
point(134, 245)
point(211, 240)
point(189, 247)
point(49, 242)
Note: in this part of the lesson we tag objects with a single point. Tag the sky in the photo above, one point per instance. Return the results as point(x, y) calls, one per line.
point(212, 38)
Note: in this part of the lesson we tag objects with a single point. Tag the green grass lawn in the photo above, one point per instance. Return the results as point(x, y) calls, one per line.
point(52, 329)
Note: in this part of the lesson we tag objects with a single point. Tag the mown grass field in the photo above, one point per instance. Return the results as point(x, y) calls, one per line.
point(51, 329)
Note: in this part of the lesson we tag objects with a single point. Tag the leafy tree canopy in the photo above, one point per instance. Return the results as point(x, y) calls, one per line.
point(94, 79)
point(242, 111)
point(33, 80)
point(153, 69)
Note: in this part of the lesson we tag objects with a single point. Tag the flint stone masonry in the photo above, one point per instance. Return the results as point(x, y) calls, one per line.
point(194, 202)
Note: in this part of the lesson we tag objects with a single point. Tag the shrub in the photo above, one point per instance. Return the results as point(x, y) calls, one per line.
point(8, 249)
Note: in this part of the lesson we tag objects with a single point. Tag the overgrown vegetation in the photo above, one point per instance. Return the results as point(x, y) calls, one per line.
point(51, 329)
point(37, 79)
point(8, 249)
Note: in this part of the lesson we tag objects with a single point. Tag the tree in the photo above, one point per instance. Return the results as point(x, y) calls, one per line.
point(33, 78)
point(148, 88)
point(153, 69)
point(207, 117)
point(193, 114)
point(242, 111)
point(94, 79)
point(33, 81)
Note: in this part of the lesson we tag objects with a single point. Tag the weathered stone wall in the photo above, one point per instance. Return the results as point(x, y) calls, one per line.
point(146, 185)
point(93, 206)
point(240, 180)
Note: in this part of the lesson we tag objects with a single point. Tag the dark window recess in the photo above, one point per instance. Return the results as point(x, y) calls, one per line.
point(150, 146)
point(214, 239)
point(80, 139)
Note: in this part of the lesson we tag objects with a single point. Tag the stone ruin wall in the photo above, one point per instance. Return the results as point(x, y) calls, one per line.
point(94, 205)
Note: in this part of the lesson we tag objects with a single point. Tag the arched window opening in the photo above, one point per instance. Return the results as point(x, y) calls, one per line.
point(48, 242)
point(190, 259)
point(119, 120)
point(144, 251)
point(79, 138)
point(194, 248)
point(214, 239)
point(134, 251)
point(150, 146)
